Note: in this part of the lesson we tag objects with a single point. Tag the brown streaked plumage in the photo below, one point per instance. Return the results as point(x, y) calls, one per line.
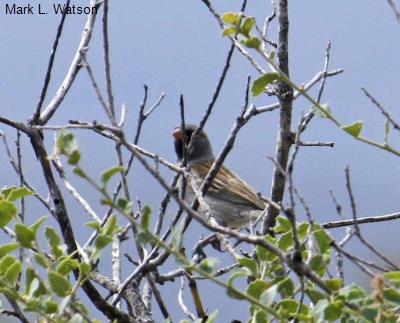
point(232, 201)
point(223, 183)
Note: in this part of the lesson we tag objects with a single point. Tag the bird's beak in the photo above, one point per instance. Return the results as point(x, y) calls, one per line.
point(177, 133)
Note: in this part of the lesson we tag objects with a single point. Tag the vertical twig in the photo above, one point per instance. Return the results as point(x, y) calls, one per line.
point(107, 64)
point(357, 230)
point(285, 137)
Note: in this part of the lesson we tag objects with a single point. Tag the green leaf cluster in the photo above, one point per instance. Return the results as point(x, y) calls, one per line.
point(241, 27)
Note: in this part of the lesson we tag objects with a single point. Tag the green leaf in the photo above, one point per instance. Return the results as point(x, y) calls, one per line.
point(283, 224)
point(111, 225)
point(257, 287)
point(124, 205)
point(146, 217)
point(314, 295)
point(263, 253)
point(66, 266)
point(286, 287)
point(106, 175)
point(323, 240)
point(6, 262)
point(13, 272)
point(18, 192)
point(250, 264)
point(59, 284)
point(333, 311)
point(209, 265)
point(238, 18)
point(41, 260)
point(80, 172)
point(7, 212)
point(102, 241)
point(286, 241)
point(318, 265)
point(234, 275)
point(212, 317)
point(25, 236)
point(34, 227)
point(392, 275)
point(50, 307)
point(260, 316)
point(229, 31)
point(5, 249)
point(74, 157)
point(353, 293)
point(247, 26)
point(84, 268)
point(318, 311)
point(334, 284)
point(229, 17)
point(94, 225)
point(260, 83)
point(353, 129)
point(52, 237)
point(33, 284)
point(322, 110)
point(33, 305)
point(268, 296)
point(68, 145)
point(177, 236)
point(253, 42)
point(287, 307)
point(392, 295)
point(5, 191)
point(302, 230)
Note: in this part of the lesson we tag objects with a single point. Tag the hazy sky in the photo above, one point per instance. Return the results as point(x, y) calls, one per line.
point(175, 47)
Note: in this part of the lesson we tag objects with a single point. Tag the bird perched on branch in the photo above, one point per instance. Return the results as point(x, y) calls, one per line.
point(232, 202)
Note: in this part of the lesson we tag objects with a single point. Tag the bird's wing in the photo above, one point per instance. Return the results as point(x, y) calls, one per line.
point(227, 186)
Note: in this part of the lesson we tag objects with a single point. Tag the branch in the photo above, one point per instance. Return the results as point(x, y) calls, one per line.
point(367, 219)
point(285, 138)
point(73, 69)
point(382, 109)
point(36, 115)
point(61, 215)
point(131, 295)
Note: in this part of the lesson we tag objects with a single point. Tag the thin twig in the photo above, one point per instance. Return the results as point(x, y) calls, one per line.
point(367, 219)
point(107, 64)
point(357, 230)
point(74, 67)
point(382, 109)
point(36, 115)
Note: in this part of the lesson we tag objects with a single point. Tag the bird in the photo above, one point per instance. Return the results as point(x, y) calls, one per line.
point(232, 202)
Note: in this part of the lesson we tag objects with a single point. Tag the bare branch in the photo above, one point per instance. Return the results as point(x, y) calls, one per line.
point(367, 219)
point(74, 68)
point(285, 138)
point(36, 115)
point(356, 227)
point(382, 109)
